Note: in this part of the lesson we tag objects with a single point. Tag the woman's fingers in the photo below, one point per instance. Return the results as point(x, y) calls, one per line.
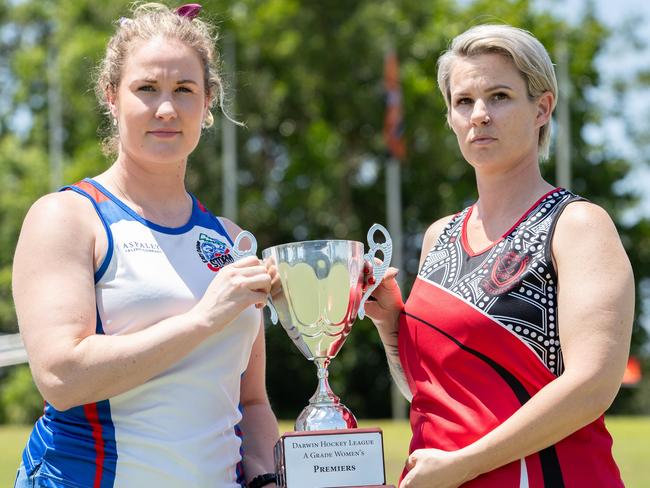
point(260, 299)
point(391, 273)
point(412, 460)
point(258, 282)
point(247, 262)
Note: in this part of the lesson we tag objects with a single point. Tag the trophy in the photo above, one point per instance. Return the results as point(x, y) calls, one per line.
point(322, 295)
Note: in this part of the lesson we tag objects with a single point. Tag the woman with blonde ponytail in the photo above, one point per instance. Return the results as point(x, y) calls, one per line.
point(143, 332)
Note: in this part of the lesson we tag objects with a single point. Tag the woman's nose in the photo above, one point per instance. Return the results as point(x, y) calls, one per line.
point(166, 110)
point(480, 115)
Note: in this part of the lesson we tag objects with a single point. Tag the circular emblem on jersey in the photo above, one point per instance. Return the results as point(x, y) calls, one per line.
point(213, 252)
point(505, 271)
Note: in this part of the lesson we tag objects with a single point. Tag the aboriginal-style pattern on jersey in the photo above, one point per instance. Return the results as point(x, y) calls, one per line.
point(513, 281)
point(479, 337)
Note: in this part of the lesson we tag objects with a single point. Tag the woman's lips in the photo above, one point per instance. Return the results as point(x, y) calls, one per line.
point(482, 140)
point(164, 134)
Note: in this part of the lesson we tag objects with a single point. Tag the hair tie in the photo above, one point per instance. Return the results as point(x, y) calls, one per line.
point(189, 10)
point(124, 21)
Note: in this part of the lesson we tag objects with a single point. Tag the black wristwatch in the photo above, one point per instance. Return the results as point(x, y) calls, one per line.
point(262, 480)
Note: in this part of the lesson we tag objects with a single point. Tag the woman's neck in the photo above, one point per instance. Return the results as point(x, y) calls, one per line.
point(158, 195)
point(503, 199)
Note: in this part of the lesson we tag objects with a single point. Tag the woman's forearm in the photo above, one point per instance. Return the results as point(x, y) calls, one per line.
point(98, 366)
point(388, 333)
point(260, 433)
point(560, 408)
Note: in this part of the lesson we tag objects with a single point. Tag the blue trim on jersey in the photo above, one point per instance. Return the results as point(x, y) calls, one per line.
point(147, 223)
point(99, 328)
point(72, 463)
point(109, 235)
point(239, 468)
point(110, 444)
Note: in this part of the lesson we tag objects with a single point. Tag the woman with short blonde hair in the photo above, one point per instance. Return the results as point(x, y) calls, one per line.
point(514, 339)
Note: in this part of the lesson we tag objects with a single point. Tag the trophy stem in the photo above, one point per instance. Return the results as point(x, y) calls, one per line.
point(325, 411)
point(324, 394)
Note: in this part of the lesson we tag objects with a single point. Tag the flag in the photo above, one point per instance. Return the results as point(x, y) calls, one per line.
point(632, 374)
point(394, 116)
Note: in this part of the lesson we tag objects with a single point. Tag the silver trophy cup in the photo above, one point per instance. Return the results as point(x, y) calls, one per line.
point(321, 296)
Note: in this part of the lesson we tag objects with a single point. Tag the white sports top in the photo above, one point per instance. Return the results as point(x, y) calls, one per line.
point(180, 428)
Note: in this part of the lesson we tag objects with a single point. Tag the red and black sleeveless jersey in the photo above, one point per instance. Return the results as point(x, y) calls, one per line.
point(479, 337)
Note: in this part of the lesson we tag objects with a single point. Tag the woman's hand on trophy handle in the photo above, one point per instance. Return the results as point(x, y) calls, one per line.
point(369, 275)
point(276, 284)
point(240, 284)
point(387, 295)
point(386, 304)
point(239, 247)
point(379, 267)
point(276, 288)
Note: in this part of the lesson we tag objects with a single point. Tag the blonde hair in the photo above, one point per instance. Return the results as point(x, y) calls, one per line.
point(526, 52)
point(151, 20)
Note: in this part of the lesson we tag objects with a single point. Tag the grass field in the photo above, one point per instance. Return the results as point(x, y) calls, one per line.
point(631, 448)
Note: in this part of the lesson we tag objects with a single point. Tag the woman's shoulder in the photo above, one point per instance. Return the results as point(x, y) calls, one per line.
point(436, 228)
point(584, 226)
point(432, 234)
point(60, 205)
point(55, 214)
point(580, 215)
point(232, 228)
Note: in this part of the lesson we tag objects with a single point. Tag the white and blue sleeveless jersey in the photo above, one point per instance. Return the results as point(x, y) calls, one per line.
point(180, 428)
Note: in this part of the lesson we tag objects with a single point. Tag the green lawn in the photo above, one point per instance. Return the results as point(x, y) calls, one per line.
point(631, 448)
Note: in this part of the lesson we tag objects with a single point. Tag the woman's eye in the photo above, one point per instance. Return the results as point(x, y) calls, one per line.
point(500, 96)
point(183, 89)
point(146, 88)
point(464, 101)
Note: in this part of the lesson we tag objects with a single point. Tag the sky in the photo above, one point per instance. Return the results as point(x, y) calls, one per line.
point(619, 60)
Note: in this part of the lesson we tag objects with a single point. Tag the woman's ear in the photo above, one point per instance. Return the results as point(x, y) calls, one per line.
point(111, 99)
point(545, 104)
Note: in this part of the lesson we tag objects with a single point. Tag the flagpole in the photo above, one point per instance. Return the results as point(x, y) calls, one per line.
point(393, 136)
point(394, 214)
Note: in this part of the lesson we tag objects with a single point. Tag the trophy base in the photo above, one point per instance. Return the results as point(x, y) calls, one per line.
point(330, 459)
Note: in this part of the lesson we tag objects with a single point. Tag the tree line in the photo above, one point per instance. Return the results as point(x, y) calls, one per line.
point(308, 87)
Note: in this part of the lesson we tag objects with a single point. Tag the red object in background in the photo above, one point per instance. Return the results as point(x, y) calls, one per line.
point(632, 374)
point(394, 117)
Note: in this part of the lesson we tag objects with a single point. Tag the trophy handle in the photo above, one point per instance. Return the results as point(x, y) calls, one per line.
point(274, 312)
point(238, 253)
point(378, 271)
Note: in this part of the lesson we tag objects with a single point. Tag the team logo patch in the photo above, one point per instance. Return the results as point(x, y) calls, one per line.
point(213, 252)
point(504, 274)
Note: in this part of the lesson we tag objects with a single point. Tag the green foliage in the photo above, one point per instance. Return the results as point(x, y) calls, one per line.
point(23, 176)
point(20, 401)
point(311, 159)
